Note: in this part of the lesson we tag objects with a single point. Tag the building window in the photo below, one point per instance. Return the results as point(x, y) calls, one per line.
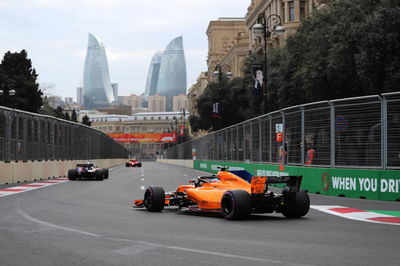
point(302, 10)
point(283, 12)
point(291, 10)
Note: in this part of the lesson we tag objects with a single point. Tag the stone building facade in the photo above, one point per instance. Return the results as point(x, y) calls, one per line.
point(226, 35)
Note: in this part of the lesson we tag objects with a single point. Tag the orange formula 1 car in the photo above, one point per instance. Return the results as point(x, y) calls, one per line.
point(236, 194)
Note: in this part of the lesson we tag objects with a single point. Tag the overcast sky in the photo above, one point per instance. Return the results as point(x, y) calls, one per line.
point(55, 33)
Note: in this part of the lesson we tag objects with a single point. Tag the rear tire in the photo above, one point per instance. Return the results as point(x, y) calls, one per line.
point(72, 174)
point(236, 205)
point(99, 175)
point(154, 199)
point(127, 164)
point(296, 207)
point(105, 170)
point(139, 164)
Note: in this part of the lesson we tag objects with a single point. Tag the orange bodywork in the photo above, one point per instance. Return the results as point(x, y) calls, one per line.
point(209, 195)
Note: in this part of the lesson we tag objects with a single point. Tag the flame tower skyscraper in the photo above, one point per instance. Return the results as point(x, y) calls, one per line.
point(167, 72)
point(97, 90)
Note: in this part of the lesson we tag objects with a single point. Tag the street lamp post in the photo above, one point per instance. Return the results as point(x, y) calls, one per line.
point(5, 93)
point(218, 72)
point(184, 125)
point(264, 28)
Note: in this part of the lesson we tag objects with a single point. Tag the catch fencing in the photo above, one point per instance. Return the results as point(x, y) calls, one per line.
point(360, 132)
point(26, 136)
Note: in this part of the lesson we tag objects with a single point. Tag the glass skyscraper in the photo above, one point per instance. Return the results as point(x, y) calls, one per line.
point(167, 72)
point(97, 90)
point(152, 75)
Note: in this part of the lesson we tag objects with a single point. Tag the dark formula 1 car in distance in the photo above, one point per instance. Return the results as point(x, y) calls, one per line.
point(235, 194)
point(88, 171)
point(133, 163)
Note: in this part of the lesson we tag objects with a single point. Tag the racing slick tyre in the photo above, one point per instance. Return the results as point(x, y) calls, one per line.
point(154, 199)
point(105, 171)
point(139, 164)
point(127, 164)
point(296, 206)
point(99, 175)
point(236, 204)
point(71, 174)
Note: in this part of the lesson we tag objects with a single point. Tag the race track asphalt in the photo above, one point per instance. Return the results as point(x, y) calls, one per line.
point(93, 223)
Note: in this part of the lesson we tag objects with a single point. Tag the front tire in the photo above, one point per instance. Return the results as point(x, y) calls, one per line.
point(127, 164)
point(105, 173)
point(296, 207)
point(236, 205)
point(71, 174)
point(154, 199)
point(139, 164)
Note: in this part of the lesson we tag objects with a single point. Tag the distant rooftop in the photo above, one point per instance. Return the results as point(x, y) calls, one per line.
point(231, 18)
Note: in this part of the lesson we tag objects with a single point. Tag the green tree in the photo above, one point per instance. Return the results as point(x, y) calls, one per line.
point(58, 112)
point(16, 73)
point(85, 121)
point(350, 48)
point(67, 116)
point(74, 116)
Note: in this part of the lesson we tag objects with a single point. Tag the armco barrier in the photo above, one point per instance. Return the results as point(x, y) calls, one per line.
point(19, 172)
point(353, 183)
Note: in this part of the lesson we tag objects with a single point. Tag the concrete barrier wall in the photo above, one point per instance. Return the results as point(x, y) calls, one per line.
point(19, 172)
point(186, 163)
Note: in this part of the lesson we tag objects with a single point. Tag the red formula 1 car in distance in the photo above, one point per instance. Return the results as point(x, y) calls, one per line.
point(88, 171)
point(235, 194)
point(133, 163)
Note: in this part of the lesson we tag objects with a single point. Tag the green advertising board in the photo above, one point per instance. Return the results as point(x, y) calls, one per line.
point(353, 183)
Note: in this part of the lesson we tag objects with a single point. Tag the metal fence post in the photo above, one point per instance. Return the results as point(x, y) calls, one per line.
point(260, 139)
point(270, 138)
point(302, 135)
point(7, 143)
point(332, 133)
point(384, 139)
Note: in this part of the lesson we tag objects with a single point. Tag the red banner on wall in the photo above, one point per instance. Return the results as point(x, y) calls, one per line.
point(144, 137)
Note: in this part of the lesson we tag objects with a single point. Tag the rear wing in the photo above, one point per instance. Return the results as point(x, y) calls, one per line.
point(259, 184)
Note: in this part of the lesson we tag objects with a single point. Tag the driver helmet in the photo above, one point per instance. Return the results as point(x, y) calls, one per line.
point(215, 180)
